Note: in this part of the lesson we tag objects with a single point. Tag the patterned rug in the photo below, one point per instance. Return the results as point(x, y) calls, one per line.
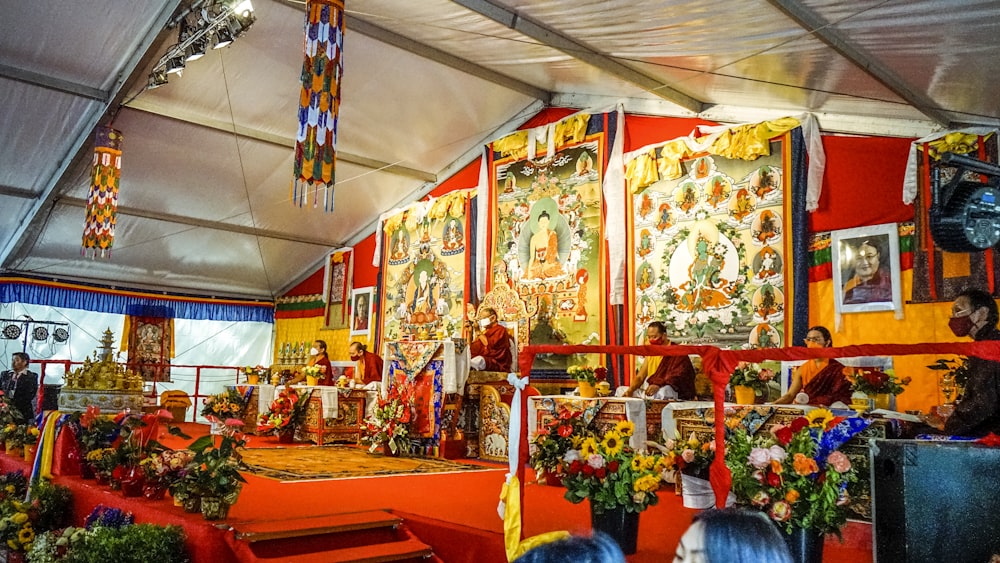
point(342, 462)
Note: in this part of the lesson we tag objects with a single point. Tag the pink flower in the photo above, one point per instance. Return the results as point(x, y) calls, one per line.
point(839, 462)
point(760, 499)
point(758, 476)
point(688, 455)
point(671, 444)
point(777, 453)
point(759, 458)
point(780, 511)
point(595, 460)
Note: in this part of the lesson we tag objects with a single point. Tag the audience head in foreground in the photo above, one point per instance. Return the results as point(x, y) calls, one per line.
point(599, 548)
point(732, 535)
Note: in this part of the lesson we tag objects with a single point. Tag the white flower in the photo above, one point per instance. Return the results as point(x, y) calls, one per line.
point(595, 460)
point(571, 455)
point(778, 453)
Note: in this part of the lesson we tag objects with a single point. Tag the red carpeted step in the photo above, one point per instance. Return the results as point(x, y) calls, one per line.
point(406, 548)
point(329, 524)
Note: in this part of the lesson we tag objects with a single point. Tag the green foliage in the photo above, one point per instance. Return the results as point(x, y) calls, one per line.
point(139, 543)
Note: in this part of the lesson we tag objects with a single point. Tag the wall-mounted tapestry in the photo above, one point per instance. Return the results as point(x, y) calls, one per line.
point(710, 251)
point(424, 265)
point(547, 234)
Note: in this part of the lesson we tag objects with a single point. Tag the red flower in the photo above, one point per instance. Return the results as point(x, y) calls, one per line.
point(565, 430)
point(799, 424)
point(588, 470)
point(575, 467)
point(601, 472)
point(773, 479)
point(784, 434)
point(601, 372)
point(613, 466)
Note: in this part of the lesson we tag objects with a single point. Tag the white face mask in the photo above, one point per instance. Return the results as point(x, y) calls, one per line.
point(314, 351)
point(484, 322)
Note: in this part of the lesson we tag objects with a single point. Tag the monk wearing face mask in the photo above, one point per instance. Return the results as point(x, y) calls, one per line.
point(317, 357)
point(974, 315)
point(666, 377)
point(490, 351)
point(820, 379)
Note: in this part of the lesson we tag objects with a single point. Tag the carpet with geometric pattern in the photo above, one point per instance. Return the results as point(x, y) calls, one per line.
point(342, 462)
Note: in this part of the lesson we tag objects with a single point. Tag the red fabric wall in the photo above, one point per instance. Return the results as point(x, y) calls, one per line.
point(862, 185)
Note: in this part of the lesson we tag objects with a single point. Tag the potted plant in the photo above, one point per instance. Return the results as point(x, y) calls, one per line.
point(692, 458)
point(586, 378)
point(286, 413)
point(562, 433)
point(214, 476)
point(797, 476)
point(618, 481)
point(749, 381)
point(93, 432)
point(162, 469)
point(255, 374)
point(222, 406)
point(388, 426)
point(111, 535)
point(878, 386)
point(47, 509)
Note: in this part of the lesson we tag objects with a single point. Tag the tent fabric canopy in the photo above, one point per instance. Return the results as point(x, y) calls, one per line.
point(204, 202)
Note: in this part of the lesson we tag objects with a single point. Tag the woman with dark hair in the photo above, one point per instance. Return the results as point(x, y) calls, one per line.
point(732, 535)
point(599, 548)
point(820, 379)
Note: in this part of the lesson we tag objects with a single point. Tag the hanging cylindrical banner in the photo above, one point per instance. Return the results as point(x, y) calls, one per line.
point(102, 203)
point(319, 103)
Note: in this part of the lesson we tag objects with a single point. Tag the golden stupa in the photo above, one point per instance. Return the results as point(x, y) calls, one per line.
point(101, 382)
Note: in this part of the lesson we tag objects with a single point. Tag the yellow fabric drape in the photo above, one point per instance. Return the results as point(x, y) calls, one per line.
point(511, 497)
point(745, 142)
point(48, 442)
point(956, 142)
point(450, 204)
point(641, 172)
point(572, 129)
point(515, 144)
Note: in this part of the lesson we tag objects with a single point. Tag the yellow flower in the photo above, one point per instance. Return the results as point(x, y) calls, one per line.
point(26, 535)
point(12, 544)
point(613, 443)
point(589, 447)
point(646, 484)
point(648, 463)
point(636, 464)
point(818, 418)
point(625, 427)
point(576, 440)
point(19, 517)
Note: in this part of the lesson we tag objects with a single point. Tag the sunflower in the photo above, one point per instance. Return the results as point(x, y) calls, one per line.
point(26, 535)
point(588, 447)
point(819, 418)
point(613, 443)
point(625, 427)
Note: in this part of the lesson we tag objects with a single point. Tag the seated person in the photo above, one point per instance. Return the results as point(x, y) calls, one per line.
point(369, 368)
point(317, 357)
point(491, 350)
point(820, 380)
point(666, 377)
point(732, 535)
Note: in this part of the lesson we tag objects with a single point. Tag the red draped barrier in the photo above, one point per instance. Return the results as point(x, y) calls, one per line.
point(718, 364)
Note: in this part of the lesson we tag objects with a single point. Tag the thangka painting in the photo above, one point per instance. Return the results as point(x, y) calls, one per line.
point(547, 240)
point(709, 252)
point(424, 270)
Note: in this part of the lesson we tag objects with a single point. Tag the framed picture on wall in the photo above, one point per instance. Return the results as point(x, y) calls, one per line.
point(866, 269)
point(361, 311)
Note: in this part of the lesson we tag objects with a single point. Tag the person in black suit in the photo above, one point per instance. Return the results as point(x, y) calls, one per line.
point(20, 386)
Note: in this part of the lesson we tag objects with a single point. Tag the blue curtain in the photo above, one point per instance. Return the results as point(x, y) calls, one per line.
point(16, 292)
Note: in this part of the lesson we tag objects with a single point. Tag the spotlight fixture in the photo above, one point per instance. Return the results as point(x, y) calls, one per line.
point(157, 78)
point(175, 64)
point(214, 22)
point(12, 332)
point(40, 333)
point(60, 335)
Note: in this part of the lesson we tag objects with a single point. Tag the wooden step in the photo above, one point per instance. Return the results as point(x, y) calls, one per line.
point(263, 530)
point(409, 548)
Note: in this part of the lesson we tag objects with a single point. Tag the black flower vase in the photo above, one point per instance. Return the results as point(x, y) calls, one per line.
point(620, 524)
point(805, 545)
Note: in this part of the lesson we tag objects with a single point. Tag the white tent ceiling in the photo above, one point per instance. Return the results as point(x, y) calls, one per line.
point(205, 206)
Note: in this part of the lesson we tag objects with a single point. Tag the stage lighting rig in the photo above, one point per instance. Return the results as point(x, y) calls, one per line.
point(965, 214)
point(211, 22)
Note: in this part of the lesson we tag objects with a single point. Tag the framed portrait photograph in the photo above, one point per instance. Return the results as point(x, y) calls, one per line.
point(866, 269)
point(361, 311)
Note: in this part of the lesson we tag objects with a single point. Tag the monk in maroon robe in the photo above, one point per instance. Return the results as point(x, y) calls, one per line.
point(369, 364)
point(491, 350)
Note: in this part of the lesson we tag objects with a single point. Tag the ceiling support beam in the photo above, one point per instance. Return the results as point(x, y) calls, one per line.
point(822, 30)
point(204, 223)
point(551, 38)
point(150, 106)
point(53, 83)
point(91, 118)
point(17, 192)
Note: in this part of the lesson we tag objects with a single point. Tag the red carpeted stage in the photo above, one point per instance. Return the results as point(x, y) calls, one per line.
point(454, 513)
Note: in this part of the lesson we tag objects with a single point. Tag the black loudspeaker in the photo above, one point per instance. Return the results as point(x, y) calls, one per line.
point(50, 398)
point(935, 501)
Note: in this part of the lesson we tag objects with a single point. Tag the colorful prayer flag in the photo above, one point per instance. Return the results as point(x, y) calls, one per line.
point(102, 203)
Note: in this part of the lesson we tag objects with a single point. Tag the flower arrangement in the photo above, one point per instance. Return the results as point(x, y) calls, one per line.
point(874, 382)
point(8, 415)
point(389, 422)
point(611, 474)
point(214, 470)
point(20, 435)
point(93, 431)
point(111, 535)
point(286, 412)
point(167, 466)
point(21, 520)
point(564, 432)
point(752, 375)
point(259, 371)
point(311, 371)
point(588, 374)
point(224, 405)
point(694, 455)
point(796, 475)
